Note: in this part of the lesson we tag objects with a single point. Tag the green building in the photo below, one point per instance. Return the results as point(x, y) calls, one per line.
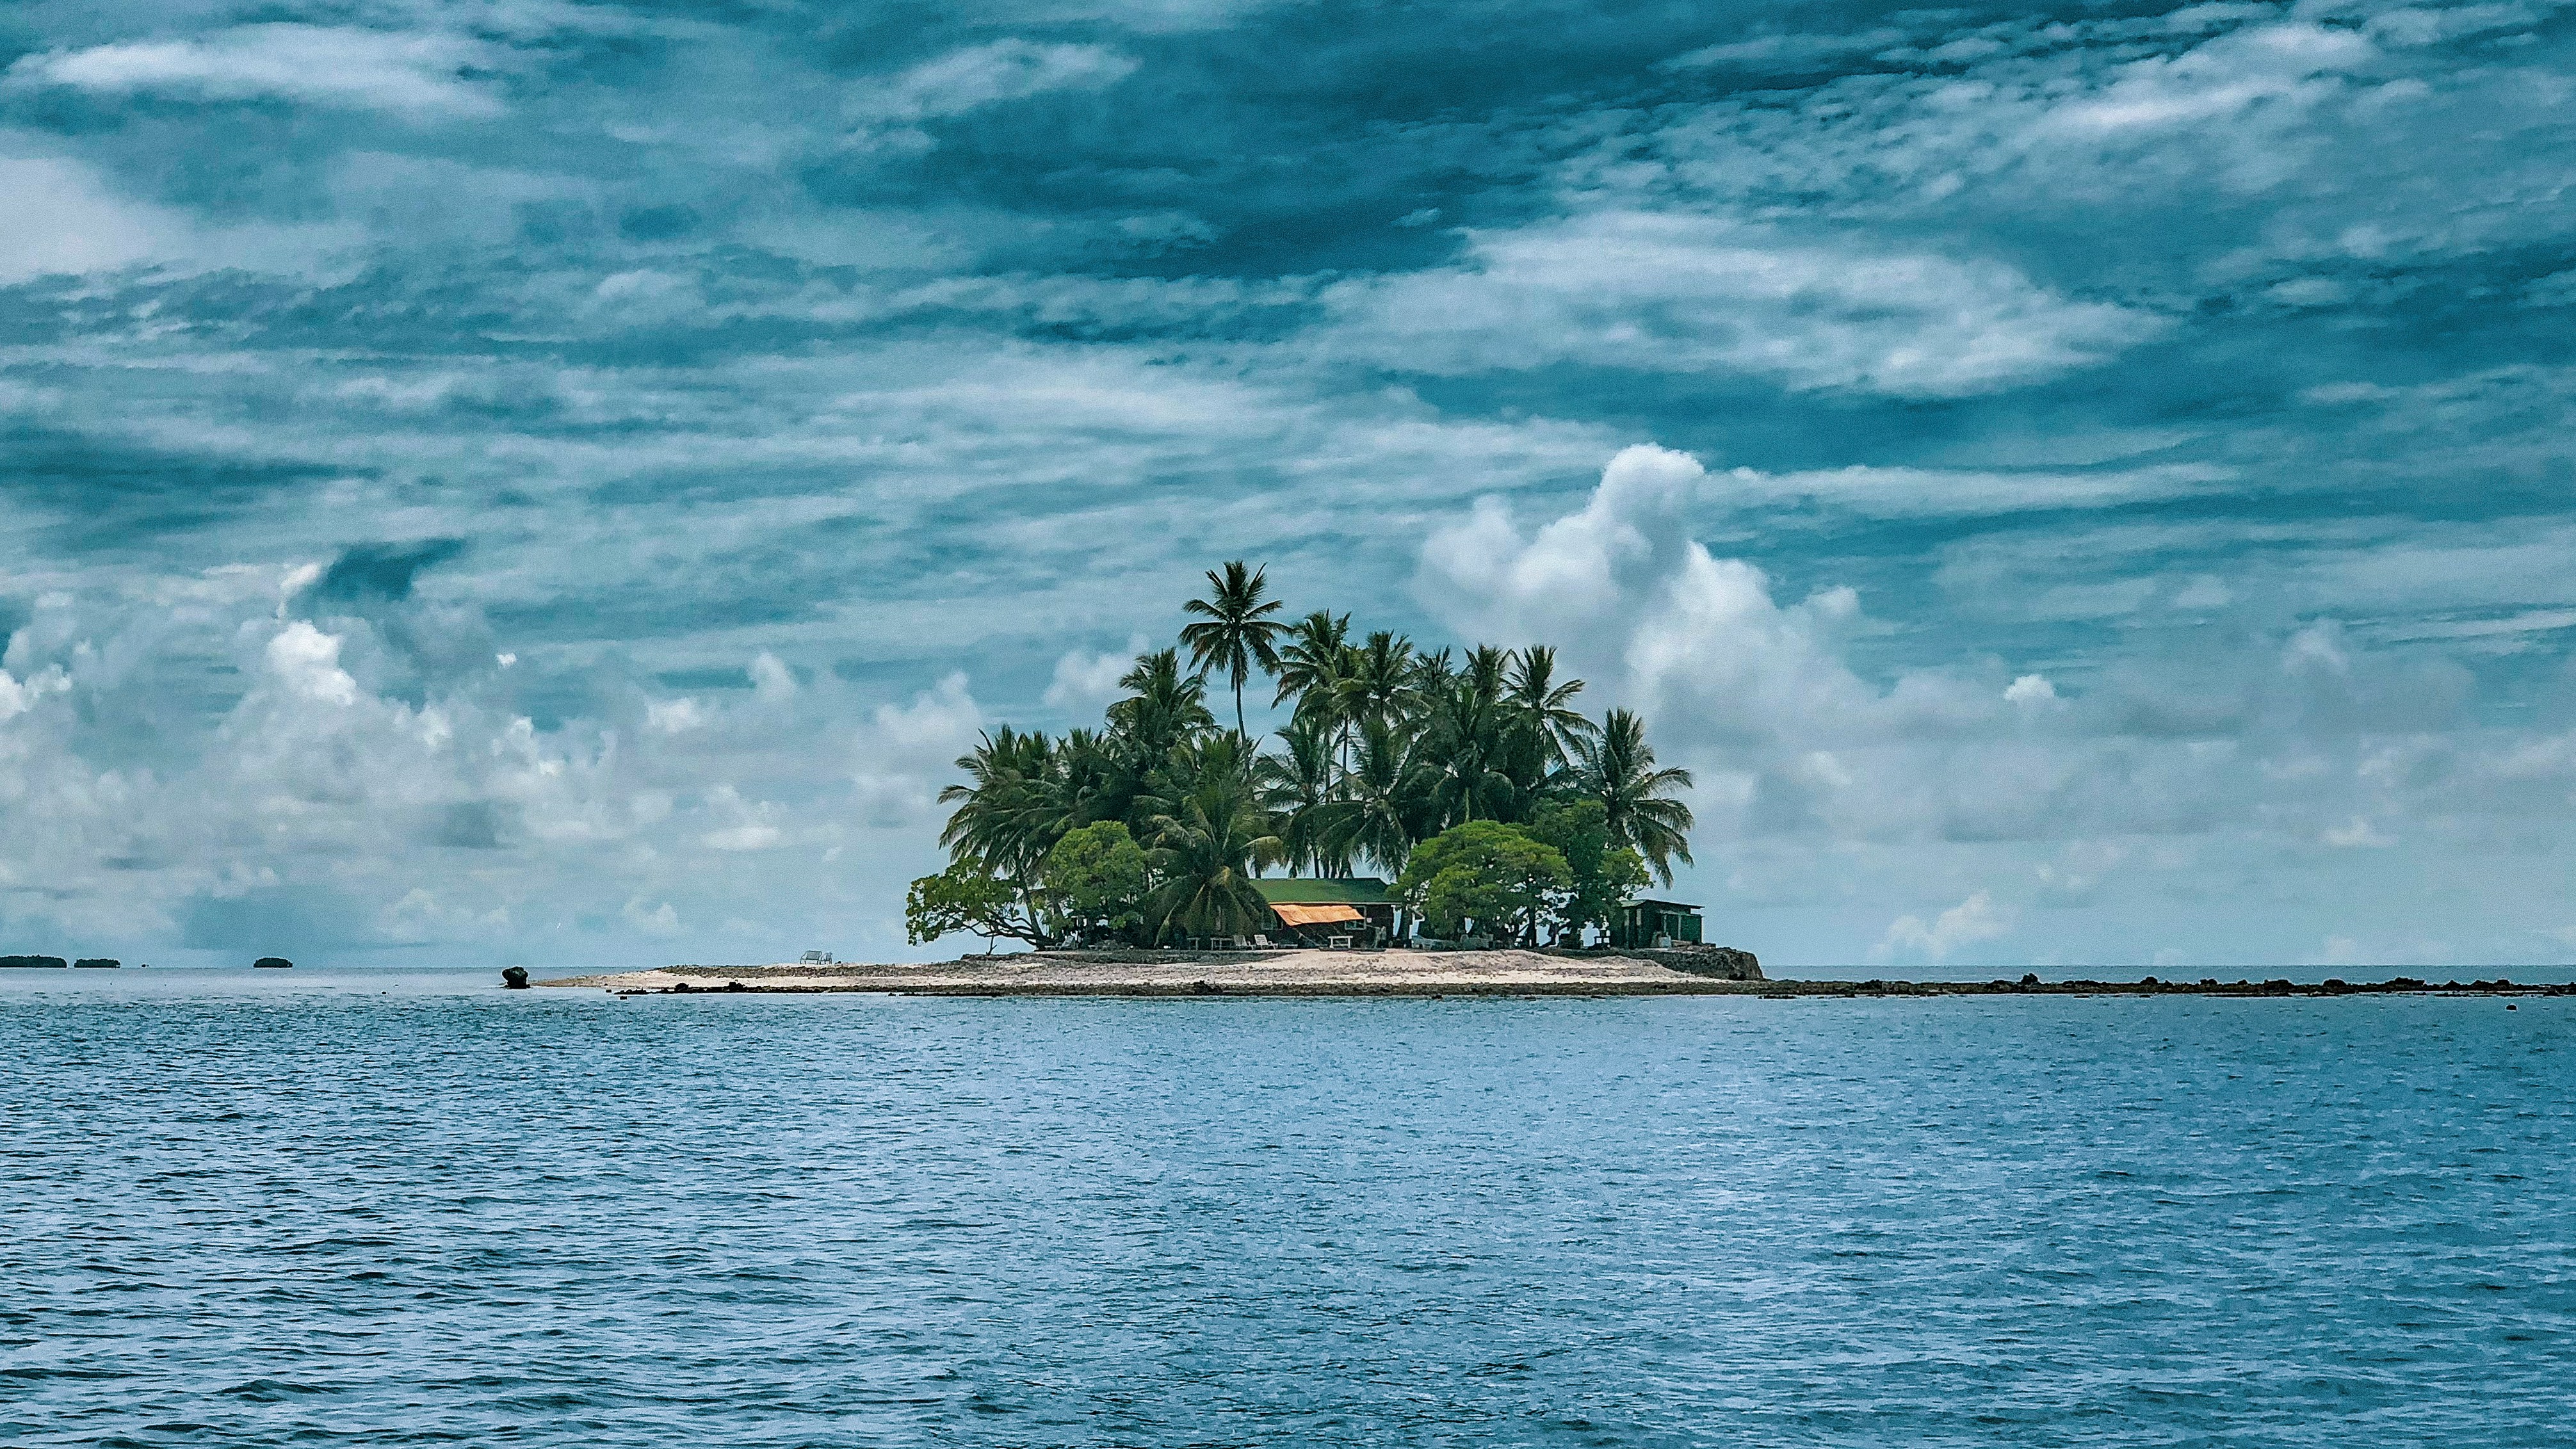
point(1354, 911)
point(1652, 923)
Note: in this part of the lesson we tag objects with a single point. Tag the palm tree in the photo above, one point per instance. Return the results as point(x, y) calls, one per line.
point(1163, 707)
point(1312, 669)
point(1545, 707)
point(1380, 687)
point(1002, 815)
point(1433, 673)
point(1235, 632)
point(1618, 769)
point(1207, 848)
point(1297, 787)
point(1466, 746)
point(1389, 801)
point(1486, 671)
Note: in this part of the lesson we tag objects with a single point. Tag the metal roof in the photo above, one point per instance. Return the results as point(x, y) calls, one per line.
point(1666, 905)
point(1363, 890)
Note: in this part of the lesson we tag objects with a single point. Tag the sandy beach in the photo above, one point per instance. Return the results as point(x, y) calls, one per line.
point(1411, 973)
point(1182, 973)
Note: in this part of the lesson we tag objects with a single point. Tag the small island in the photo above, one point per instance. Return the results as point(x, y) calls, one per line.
point(1492, 811)
point(1167, 853)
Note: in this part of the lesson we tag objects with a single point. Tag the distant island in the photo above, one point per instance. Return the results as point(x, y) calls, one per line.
point(1494, 811)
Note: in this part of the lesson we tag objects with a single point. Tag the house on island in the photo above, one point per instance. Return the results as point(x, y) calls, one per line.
point(1350, 912)
point(1656, 923)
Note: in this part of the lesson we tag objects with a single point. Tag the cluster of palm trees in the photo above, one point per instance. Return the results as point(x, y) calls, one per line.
point(1386, 745)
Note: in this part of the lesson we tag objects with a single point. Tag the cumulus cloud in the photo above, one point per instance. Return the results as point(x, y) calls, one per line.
point(1666, 292)
point(1085, 683)
point(409, 74)
point(1975, 919)
point(905, 754)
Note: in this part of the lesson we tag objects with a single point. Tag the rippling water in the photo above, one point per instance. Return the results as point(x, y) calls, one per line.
point(394, 1209)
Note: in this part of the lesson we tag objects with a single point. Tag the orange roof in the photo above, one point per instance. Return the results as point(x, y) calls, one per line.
point(1307, 915)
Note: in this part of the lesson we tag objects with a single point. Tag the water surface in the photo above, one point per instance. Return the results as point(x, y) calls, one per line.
point(390, 1208)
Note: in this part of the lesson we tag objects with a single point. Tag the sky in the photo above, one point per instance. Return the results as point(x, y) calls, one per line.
point(528, 481)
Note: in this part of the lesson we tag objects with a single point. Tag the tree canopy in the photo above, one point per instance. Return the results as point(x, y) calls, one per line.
point(1473, 779)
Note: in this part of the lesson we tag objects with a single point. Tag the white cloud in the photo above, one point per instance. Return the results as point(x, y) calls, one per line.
point(2356, 834)
point(772, 682)
point(2031, 691)
point(659, 920)
point(59, 219)
point(1004, 70)
point(308, 661)
point(1085, 682)
point(406, 73)
point(2277, 64)
point(1975, 919)
point(675, 716)
point(905, 755)
point(17, 696)
point(1667, 292)
point(754, 823)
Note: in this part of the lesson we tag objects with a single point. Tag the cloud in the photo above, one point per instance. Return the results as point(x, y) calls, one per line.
point(1975, 919)
point(983, 75)
point(904, 755)
point(62, 220)
point(1664, 292)
point(416, 75)
point(307, 661)
point(772, 682)
point(1084, 682)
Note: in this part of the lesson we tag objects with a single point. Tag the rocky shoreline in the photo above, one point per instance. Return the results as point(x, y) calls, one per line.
point(1707, 971)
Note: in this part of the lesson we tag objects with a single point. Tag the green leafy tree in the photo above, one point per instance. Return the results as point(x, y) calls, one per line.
point(1618, 769)
point(1604, 875)
point(1484, 876)
point(1097, 878)
point(970, 897)
point(1235, 633)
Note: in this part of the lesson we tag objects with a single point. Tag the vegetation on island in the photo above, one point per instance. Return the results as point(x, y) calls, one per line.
point(1499, 809)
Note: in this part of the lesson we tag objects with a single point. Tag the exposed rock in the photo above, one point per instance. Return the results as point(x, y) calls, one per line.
point(515, 977)
point(1718, 963)
point(272, 963)
point(6, 961)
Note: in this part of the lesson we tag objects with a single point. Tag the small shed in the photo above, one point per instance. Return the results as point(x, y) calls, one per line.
point(1315, 910)
point(1655, 923)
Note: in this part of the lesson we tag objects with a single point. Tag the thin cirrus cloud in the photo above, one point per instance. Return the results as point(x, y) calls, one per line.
point(410, 74)
point(1679, 293)
point(983, 75)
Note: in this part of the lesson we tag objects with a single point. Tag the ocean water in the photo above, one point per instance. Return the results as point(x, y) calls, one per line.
point(383, 1208)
